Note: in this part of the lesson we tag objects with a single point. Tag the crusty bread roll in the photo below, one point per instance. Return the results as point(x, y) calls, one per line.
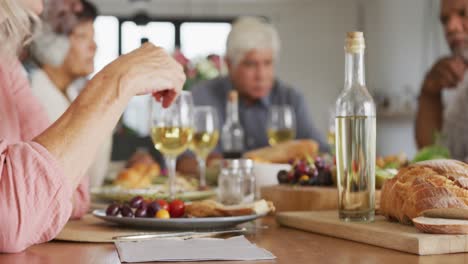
point(425, 187)
point(283, 152)
point(140, 175)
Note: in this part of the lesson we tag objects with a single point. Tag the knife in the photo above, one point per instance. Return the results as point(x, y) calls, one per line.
point(181, 235)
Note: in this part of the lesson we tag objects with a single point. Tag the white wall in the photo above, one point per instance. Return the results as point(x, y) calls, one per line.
point(312, 34)
point(404, 38)
point(312, 59)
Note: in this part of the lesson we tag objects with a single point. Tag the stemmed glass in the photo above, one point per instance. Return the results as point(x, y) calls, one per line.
point(172, 132)
point(205, 137)
point(281, 124)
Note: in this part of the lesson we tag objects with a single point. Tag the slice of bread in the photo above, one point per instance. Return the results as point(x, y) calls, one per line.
point(447, 213)
point(441, 225)
point(210, 208)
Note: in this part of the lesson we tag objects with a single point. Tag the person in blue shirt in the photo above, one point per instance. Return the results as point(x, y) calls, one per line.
point(252, 49)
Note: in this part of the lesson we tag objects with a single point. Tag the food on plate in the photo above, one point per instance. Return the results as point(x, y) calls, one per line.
point(284, 152)
point(136, 202)
point(152, 208)
point(163, 204)
point(139, 207)
point(113, 210)
point(126, 211)
point(140, 157)
point(428, 186)
point(209, 208)
point(140, 175)
point(163, 214)
point(141, 211)
point(178, 208)
point(310, 171)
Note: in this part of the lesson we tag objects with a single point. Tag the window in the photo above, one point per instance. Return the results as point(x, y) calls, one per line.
point(107, 40)
point(159, 33)
point(202, 38)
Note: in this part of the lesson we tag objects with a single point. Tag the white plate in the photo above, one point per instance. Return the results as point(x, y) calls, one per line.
point(116, 193)
point(208, 223)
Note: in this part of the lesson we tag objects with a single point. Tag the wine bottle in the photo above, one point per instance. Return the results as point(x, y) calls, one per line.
point(232, 137)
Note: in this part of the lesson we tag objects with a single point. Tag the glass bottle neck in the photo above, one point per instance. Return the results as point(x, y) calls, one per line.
point(354, 72)
point(233, 111)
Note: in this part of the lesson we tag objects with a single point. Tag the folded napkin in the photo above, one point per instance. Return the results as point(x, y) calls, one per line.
point(199, 249)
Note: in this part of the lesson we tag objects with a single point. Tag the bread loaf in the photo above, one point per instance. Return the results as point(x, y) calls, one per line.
point(283, 152)
point(426, 186)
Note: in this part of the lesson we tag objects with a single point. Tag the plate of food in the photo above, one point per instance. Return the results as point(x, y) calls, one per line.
point(177, 215)
point(145, 179)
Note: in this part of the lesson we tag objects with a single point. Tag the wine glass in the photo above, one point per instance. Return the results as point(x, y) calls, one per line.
point(205, 136)
point(172, 132)
point(281, 124)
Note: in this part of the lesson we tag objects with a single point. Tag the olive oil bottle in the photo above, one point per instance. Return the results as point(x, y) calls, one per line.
point(355, 126)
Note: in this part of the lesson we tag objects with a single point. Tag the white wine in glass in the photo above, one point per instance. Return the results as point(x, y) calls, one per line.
point(205, 137)
point(172, 132)
point(281, 124)
point(204, 142)
point(280, 135)
point(171, 140)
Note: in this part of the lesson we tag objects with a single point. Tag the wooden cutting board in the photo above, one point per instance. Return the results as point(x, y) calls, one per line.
point(303, 198)
point(380, 233)
point(92, 229)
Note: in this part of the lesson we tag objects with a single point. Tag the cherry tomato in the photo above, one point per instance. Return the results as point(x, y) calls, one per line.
point(163, 204)
point(177, 208)
point(163, 214)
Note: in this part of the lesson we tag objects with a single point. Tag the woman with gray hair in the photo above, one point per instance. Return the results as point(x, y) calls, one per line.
point(40, 166)
point(51, 43)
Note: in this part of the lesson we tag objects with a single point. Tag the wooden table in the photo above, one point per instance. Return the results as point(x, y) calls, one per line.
point(289, 245)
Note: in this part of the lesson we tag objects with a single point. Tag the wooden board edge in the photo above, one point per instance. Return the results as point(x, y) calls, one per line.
point(284, 219)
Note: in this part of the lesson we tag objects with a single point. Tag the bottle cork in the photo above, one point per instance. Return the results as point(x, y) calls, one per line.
point(355, 42)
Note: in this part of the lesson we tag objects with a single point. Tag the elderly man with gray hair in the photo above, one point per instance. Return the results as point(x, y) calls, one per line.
point(253, 47)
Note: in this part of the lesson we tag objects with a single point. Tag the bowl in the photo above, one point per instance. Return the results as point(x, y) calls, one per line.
point(266, 174)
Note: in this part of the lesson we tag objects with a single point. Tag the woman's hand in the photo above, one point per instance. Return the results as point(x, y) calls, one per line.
point(147, 70)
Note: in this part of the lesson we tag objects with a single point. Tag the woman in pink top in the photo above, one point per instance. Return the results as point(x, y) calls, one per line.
point(41, 169)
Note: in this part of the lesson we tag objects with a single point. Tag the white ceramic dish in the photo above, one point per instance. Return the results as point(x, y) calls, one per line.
point(206, 223)
point(266, 174)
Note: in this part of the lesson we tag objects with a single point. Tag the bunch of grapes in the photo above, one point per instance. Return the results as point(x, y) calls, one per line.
point(139, 207)
point(307, 172)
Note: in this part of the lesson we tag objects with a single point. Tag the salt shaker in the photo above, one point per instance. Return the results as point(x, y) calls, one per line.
point(231, 183)
point(249, 180)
